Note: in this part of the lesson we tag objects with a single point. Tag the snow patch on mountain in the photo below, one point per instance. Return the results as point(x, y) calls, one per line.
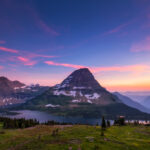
point(89, 101)
point(92, 96)
point(51, 105)
point(76, 101)
point(62, 92)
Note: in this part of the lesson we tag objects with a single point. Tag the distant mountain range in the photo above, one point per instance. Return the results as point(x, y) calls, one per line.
point(81, 95)
point(141, 97)
point(137, 96)
point(128, 101)
point(146, 102)
point(15, 92)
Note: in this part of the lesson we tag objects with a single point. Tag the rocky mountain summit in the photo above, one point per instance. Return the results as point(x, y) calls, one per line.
point(81, 79)
point(82, 86)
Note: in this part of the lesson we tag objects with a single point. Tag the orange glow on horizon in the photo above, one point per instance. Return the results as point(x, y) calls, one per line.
point(133, 87)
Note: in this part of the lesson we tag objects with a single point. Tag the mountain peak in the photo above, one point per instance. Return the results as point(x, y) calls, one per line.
point(2, 78)
point(81, 78)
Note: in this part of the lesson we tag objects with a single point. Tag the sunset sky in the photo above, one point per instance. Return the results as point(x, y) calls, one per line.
point(43, 41)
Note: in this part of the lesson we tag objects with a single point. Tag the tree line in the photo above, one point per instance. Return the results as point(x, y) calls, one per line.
point(13, 123)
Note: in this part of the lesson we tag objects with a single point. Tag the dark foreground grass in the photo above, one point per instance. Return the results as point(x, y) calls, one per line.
point(76, 137)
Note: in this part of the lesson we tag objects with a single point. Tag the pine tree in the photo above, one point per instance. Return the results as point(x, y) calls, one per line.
point(103, 125)
point(108, 123)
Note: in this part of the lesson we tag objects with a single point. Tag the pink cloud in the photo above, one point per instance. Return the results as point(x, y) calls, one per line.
point(29, 58)
point(26, 61)
point(30, 63)
point(130, 68)
point(45, 56)
point(141, 46)
point(1, 67)
point(65, 65)
point(2, 42)
point(8, 50)
point(33, 55)
point(23, 59)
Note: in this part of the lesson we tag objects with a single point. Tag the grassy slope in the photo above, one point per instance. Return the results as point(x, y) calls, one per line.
point(85, 137)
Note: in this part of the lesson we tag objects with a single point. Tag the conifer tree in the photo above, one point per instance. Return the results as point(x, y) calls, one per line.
point(108, 123)
point(103, 125)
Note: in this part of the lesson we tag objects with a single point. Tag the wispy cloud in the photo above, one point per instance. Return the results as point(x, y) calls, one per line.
point(30, 59)
point(143, 45)
point(47, 28)
point(118, 28)
point(2, 42)
point(130, 68)
point(102, 35)
point(41, 23)
point(8, 50)
point(25, 57)
point(34, 55)
point(26, 61)
point(64, 64)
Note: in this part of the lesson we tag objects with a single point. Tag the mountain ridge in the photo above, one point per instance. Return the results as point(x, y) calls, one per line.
point(16, 92)
point(80, 94)
point(146, 102)
point(128, 101)
point(7, 86)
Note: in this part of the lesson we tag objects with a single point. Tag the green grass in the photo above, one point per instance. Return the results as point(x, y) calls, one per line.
point(76, 137)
